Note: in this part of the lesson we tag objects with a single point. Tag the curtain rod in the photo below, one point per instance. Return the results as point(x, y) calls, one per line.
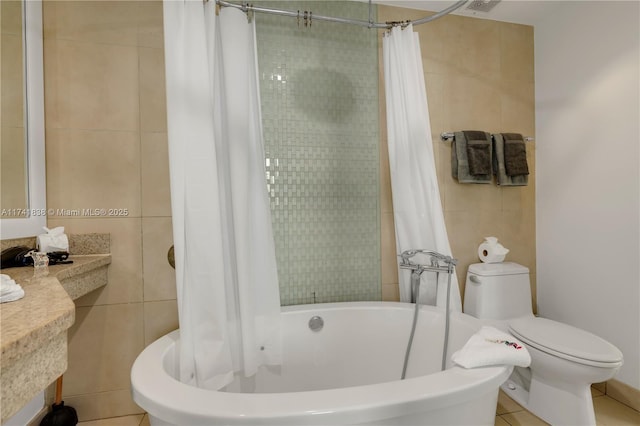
point(309, 16)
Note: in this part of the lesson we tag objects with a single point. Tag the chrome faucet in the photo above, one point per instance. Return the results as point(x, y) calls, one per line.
point(435, 259)
point(438, 263)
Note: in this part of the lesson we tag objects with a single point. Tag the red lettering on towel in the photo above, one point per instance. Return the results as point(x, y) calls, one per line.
point(506, 342)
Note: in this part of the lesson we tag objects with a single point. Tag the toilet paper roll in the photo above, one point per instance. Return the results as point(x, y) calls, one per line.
point(54, 240)
point(488, 253)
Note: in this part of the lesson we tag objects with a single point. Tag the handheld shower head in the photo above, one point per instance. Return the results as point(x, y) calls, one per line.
point(408, 254)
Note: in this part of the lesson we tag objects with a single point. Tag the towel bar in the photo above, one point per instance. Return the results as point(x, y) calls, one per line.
point(445, 136)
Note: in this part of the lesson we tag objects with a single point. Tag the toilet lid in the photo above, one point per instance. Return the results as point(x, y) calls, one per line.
point(565, 341)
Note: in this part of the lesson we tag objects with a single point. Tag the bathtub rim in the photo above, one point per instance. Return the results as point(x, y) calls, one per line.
point(343, 405)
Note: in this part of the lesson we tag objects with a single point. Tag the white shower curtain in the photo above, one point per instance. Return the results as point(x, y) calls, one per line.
point(226, 277)
point(418, 216)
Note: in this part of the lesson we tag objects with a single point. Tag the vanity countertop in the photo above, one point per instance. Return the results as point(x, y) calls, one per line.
point(47, 308)
point(33, 330)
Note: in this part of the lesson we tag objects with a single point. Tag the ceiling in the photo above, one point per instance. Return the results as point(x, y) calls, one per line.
point(527, 12)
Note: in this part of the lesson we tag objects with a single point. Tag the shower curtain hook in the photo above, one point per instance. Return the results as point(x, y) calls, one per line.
point(298, 18)
point(310, 17)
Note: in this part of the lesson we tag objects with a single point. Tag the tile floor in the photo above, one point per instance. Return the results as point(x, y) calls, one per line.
point(609, 412)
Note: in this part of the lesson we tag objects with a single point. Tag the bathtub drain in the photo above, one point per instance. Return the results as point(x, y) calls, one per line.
point(316, 323)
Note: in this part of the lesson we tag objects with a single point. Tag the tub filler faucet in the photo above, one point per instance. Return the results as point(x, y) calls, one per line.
point(437, 263)
point(436, 258)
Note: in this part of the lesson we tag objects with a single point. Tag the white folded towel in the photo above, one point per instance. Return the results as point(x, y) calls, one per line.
point(10, 297)
point(490, 346)
point(9, 289)
point(7, 284)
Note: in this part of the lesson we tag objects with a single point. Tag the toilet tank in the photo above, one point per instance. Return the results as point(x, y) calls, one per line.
point(497, 291)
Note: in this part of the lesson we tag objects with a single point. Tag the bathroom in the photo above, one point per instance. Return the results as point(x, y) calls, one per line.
point(575, 225)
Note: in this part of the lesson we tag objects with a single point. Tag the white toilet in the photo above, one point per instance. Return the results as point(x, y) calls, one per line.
point(565, 360)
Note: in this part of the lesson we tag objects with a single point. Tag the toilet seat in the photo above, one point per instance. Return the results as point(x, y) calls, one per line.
point(565, 341)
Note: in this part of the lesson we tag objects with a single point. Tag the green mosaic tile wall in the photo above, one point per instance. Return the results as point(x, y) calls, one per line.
point(319, 89)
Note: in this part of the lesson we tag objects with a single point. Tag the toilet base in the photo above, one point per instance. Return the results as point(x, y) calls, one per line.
point(562, 407)
point(554, 405)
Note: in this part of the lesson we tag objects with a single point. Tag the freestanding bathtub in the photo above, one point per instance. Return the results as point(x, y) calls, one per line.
point(346, 373)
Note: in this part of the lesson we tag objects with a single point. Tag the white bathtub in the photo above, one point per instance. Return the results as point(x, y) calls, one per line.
point(347, 373)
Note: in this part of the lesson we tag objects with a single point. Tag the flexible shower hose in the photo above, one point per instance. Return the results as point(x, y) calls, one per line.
point(415, 281)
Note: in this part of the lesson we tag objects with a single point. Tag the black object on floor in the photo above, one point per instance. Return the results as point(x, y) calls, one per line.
point(60, 415)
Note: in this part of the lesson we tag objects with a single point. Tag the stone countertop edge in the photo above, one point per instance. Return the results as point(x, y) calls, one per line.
point(46, 309)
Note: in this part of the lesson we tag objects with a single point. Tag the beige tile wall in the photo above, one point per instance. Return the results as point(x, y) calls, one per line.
point(107, 148)
point(479, 76)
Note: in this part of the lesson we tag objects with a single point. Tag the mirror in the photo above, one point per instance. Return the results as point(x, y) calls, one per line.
point(22, 160)
point(13, 176)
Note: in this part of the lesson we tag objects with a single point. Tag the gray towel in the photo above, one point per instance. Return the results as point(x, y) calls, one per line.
point(499, 165)
point(515, 154)
point(477, 151)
